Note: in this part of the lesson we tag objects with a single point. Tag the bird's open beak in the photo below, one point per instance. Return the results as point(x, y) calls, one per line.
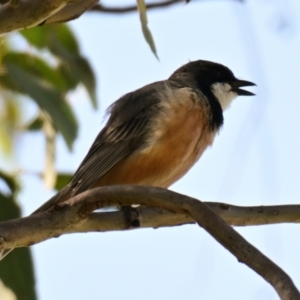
point(241, 83)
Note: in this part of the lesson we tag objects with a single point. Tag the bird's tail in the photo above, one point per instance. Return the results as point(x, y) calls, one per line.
point(62, 195)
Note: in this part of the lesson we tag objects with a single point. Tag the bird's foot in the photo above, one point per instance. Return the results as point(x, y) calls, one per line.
point(131, 217)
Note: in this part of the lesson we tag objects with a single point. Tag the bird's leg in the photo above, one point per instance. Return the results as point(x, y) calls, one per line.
point(131, 216)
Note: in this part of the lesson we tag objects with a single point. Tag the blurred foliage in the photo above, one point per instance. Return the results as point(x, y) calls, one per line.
point(141, 5)
point(16, 271)
point(10, 115)
point(62, 179)
point(45, 71)
point(9, 112)
point(48, 83)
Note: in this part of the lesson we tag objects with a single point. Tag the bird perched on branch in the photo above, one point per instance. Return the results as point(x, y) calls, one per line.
point(155, 134)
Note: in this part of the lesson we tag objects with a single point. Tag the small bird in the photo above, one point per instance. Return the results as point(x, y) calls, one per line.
point(155, 134)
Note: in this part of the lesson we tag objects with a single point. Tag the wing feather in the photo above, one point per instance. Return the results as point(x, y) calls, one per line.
point(126, 131)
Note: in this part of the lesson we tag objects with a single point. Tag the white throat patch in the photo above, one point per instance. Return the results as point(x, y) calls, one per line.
point(223, 93)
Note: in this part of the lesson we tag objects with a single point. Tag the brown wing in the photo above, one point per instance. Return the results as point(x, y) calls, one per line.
point(126, 131)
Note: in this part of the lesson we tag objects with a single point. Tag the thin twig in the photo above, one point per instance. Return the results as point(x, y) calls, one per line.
point(131, 8)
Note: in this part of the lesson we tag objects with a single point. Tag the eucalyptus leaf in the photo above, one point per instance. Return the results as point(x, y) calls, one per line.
point(77, 67)
point(39, 67)
point(10, 182)
point(144, 22)
point(35, 124)
point(62, 179)
point(47, 97)
point(42, 36)
point(61, 42)
point(64, 35)
point(16, 270)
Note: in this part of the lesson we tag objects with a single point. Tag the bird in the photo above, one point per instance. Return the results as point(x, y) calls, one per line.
point(156, 133)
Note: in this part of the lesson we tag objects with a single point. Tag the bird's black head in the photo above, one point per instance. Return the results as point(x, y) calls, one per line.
point(213, 79)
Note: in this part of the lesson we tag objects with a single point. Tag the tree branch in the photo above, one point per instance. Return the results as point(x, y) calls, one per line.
point(37, 228)
point(75, 216)
point(78, 7)
point(131, 8)
point(27, 13)
point(20, 14)
point(72, 11)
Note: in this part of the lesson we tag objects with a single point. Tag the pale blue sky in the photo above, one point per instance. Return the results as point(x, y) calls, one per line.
point(254, 160)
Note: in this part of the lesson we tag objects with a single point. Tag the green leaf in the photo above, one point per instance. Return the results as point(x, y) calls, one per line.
point(61, 42)
point(65, 37)
point(9, 209)
point(82, 71)
point(42, 36)
point(144, 21)
point(77, 67)
point(47, 97)
point(35, 124)
point(10, 119)
point(36, 36)
point(16, 270)
point(68, 76)
point(11, 183)
point(40, 68)
point(62, 179)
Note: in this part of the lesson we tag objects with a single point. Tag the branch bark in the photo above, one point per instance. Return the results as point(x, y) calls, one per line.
point(75, 216)
point(27, 13)
point(72, 11)
point(78, 7)
point(21, 14)
point(131, 8)
point(37, 228)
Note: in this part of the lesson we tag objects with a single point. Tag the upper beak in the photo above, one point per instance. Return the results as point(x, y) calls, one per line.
point(235, 87)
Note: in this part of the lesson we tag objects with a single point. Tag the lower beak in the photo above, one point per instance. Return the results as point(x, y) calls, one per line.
point(235, 87)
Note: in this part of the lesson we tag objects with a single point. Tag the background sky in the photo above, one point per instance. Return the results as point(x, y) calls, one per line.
point(254, 160)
